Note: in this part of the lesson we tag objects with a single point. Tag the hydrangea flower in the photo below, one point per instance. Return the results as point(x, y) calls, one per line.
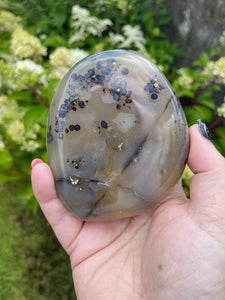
point(8, 21)
point(29, 65)
point(63, 58)
point(184, 80)
point(17, 133)
point(25, 45)
point(216, 69)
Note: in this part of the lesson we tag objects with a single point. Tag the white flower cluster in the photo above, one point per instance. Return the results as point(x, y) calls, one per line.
point(221, 110)
point(29, 65)
point(184, 80)
point(25, 45)
point(132, 37)
point(85, 24)
point(63, 58)
point(14, 127)
point(216, 69)
point(8, 21)
point(16, 74)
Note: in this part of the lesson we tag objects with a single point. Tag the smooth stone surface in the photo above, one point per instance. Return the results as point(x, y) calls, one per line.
point(117, 136)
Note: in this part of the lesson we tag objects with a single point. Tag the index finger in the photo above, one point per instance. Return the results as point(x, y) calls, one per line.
point(65, 225)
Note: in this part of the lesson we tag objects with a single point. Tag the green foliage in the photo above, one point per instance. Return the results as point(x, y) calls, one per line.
point(196, 86)
point(28, 268)
point(39, 42)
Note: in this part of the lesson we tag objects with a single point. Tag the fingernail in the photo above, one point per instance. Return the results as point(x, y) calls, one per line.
point(204, 130)
point(35, 162)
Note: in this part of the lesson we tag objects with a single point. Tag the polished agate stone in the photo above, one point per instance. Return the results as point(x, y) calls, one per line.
point(117, 136)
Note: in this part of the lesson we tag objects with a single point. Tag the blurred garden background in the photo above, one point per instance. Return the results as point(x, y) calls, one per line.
point(39, 42)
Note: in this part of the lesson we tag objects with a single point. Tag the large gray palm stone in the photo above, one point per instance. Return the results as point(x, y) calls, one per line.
point(117, 136)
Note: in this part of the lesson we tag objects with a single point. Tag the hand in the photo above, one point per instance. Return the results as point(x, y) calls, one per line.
point(176, 251)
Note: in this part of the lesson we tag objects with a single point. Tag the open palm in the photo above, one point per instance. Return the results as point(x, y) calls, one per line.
point(176, 251)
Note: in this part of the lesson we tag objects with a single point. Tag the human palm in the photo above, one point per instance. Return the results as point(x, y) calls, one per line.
point(175, 251)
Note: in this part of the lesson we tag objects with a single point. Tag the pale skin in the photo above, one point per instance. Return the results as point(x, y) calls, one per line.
point(176, 251)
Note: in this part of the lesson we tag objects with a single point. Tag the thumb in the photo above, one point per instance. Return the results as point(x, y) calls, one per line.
point(207, 191)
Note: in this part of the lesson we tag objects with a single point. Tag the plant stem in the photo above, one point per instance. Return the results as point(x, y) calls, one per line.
point(211, 82)
point(36, 93)
point(213, 125)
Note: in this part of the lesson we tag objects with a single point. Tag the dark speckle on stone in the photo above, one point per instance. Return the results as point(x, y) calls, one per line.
point(62, 113)
point(81, 104)
point(73, 100)
point(100, 79)
point(77, 127)
point(118, 106)
point(91, 72)
point(74, 127)
point(154, 96)
point(119, 88)
point(104, 124)
point(49, 135)
point(71, 128)
point(129, 94)
point(125, 71)
point(59, 126)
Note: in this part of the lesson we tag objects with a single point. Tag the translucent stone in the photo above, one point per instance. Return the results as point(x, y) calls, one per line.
point(117, 136)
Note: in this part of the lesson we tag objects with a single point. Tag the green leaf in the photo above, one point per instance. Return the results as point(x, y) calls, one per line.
point(6, 159)
point(164, 20)
point(6, 177)
point(203, 60)
point(205, 98)
point(23, 95)
point(221, 132)
point(34, 115)
point(54, 40)
point(191, 114)
point(185, 93)
point(59, 19)
point(204, 113)
point(49, 92)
